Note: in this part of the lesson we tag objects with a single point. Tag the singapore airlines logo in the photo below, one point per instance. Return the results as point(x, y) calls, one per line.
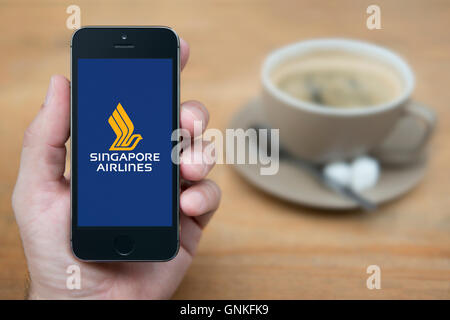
point(123, 128)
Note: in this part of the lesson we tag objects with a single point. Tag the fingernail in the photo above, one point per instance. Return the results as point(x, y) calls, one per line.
point(209, 153)
point(196, 114)
point(50, 92)
point(197, 201)
point(208, 158)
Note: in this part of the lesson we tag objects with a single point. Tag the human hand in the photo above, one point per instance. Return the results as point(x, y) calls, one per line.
point(41, 203)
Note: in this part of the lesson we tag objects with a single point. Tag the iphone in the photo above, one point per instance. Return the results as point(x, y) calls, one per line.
point(124, 109)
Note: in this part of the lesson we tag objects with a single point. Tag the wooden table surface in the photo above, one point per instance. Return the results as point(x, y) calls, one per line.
point(257, 246)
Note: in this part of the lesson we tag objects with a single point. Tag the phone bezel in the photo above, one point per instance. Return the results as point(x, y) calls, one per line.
point(151, 243)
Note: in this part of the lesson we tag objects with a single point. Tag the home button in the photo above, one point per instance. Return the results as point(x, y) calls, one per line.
point(124, 245)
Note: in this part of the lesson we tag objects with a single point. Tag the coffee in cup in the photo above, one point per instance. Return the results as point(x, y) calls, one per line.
point(336, 99)
point(338, 79)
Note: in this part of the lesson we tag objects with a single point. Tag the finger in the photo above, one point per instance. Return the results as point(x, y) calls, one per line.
point(44, 153)
point(197, 161)
point(51, 126)
point(192, 114)
point(200, 201)
point(184, 48)
point(190, 235)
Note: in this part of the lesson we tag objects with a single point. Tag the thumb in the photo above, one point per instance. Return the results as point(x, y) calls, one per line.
point(44, 153)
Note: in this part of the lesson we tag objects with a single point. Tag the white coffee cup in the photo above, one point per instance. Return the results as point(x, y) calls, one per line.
point(323, 134)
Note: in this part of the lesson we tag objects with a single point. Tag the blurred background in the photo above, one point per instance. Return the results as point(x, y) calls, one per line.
point(257, 247)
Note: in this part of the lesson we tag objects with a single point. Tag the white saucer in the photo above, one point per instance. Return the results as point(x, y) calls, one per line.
point(295, 185)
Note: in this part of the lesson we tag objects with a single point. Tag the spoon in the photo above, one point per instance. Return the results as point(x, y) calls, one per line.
point(316, 171)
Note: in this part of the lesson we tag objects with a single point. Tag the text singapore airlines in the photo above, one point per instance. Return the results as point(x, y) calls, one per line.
point(124, 162)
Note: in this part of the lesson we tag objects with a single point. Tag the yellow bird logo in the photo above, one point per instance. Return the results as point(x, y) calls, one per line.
point(123, 128)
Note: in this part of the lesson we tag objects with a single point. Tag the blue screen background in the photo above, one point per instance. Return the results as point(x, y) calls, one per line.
point(144, 88)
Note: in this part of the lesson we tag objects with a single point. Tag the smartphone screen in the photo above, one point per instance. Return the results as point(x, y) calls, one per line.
point(124, 146)
point(124, 111)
